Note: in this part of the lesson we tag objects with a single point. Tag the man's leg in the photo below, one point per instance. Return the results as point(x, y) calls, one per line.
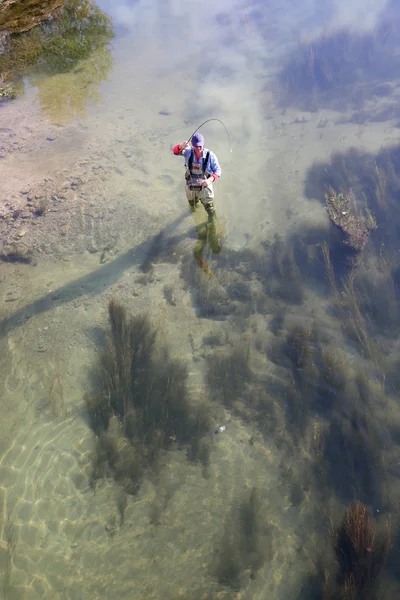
point(191, 198)
point(207, 199)
point(210, 210)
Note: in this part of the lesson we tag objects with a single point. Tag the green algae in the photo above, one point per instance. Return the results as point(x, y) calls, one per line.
point(74, 44)
point(17, 16)
point(64, 96)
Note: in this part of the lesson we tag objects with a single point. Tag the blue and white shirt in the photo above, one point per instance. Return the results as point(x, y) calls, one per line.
point(211, 167)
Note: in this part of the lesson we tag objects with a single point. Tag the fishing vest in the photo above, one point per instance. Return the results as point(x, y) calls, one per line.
point(197, 170)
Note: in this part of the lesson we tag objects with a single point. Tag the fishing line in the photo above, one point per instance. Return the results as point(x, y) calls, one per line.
point(223, 125)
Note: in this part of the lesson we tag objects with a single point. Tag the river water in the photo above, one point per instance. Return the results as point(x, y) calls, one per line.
point(304, 383)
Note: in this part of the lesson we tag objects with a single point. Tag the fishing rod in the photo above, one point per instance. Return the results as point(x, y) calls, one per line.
point(219, 121)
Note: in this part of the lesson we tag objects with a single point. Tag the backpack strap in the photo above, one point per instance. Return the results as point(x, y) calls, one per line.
point(205, 161)
point(190, 161)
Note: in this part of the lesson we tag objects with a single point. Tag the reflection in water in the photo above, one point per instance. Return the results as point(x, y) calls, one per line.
point(67, 58)
point(209, 232)
point(64, 97)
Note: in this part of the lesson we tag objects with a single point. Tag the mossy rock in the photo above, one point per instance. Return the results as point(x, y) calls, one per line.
point(79, 31)
point(57, 46)
point(7, 92)
point(17, 16)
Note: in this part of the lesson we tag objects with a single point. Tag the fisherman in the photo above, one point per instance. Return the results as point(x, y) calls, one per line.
point(202, 169)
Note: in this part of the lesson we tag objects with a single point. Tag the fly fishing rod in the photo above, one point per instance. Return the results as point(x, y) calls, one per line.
point(219, 121)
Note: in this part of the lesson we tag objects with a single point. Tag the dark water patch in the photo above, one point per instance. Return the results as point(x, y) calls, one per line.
point(312, 587)
point(372, 178)
point(361, 553)
point(229, 373)
point(393, 560)
point(259, 280)
point(350, 461)
point(315, 376)
point(141, 406)
point(343, 68)
point(247, 543)
point(352, 442)
point(367, 297)
point(355, 564)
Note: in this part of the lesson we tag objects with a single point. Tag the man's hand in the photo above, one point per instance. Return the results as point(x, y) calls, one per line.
point(206, 182)
point(183, 146)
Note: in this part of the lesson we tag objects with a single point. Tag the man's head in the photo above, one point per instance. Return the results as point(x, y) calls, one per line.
point(198, 141)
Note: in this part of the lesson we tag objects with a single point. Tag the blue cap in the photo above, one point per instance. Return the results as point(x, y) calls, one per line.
point(197, 140)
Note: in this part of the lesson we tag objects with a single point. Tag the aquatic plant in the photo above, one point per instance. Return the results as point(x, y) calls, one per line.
point(356, 320)
point(142, 394)
point(246, 544)
point(229, 372)
point(325, 70)
point(331, 273)
point(360, 552)
point(356, 228)
point(286, 282)
point(7, 90)
point(363, 282)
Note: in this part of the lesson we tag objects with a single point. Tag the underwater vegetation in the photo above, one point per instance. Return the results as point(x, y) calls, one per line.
point(74, 42)
point(366, 297)
point(7, 91)
point(17, 16)
point(354, 566)
point(246, 544)
point(141, 406)
point(342, 68)
point(341, 211)
point(360, 552)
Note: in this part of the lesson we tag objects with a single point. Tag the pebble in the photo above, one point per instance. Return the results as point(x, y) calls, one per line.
point(11, 296)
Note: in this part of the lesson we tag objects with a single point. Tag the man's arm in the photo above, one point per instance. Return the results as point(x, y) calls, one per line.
point(180, 148)
point(215, 169)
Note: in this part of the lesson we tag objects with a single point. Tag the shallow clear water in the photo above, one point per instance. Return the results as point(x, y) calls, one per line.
point(307, 396)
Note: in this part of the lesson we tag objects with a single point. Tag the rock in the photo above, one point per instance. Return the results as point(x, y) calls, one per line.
point(17, 253)
point(70, 195)
point(11, 296)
